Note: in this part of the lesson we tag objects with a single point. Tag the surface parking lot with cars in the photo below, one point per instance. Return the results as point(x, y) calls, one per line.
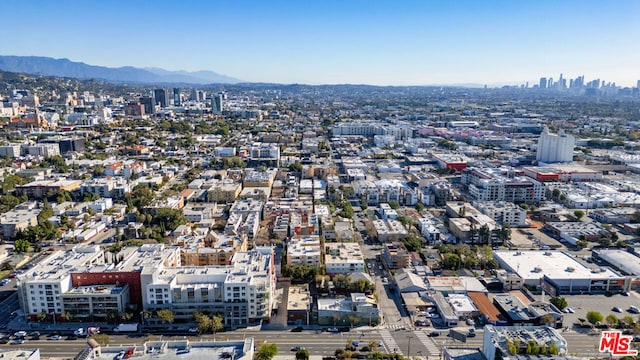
point(581, 304)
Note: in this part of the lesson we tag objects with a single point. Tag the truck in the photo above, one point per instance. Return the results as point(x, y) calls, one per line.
point(126, 328)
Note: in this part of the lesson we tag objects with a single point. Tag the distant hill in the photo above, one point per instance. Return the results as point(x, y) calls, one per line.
point(39, 65)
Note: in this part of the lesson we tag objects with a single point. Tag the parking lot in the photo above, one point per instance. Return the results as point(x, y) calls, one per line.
point(604, 304)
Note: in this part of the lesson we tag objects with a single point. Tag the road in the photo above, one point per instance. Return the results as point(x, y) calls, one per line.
point(406, 342)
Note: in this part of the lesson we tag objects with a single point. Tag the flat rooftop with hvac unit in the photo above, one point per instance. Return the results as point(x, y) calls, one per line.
point(559, 273)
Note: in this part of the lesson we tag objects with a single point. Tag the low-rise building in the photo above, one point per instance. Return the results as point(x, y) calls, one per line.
point(304, 250)
point(358, 310)
point(497, 340)
point(396, 256)
point(343, 258)
point(503, 212)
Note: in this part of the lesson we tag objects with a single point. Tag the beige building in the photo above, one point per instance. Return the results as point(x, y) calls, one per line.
point(224, 192)
point(209, 250)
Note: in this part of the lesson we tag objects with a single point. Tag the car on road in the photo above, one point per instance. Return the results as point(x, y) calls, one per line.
point(471, 333)
point(55, 337)
point(569, 310)
point(18, 341)
point(333, 329)
point(421, 323)
point(380, 344)
point(626, 293)
point(20, 334)
point(296, 348)
point(72, 337)
point(365, 349)
point(297, 329)
point(433, 334)
point(616, 309)
point(4, 282)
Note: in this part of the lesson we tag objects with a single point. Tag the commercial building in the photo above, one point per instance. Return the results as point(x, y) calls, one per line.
point(559, 273)
point(497, 339)
point(160, 96)
point(95, 302)
point(554, 148)
point(457, 162)
point(264, 154)
point(358, 310)
point(622, 260)
point(242, 349)
point(536, 313)
point(571, 232)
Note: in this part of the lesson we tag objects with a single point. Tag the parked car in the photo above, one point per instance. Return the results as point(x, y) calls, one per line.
point(633, 310)
point(55, 337)
point(297, 329)
point(18, 341)
point(193, 329)
point(470, 322)
point(333, 329)
point(296, 348)
point(616, 309)
point(569, 310)
point(433, 334)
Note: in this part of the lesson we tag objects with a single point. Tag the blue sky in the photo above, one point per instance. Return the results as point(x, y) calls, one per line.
point(363, 41)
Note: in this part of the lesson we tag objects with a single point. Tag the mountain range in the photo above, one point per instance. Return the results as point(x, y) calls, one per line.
point(39, 65)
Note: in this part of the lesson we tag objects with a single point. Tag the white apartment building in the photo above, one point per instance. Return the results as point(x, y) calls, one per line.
point(341, 258)
point(304, 250)
point(429, 230)
point(555, 147)
point(503, 212)
point(40, 288)
point(488, 184)
point(243, 292)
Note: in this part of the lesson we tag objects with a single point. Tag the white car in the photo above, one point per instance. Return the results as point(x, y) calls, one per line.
point(193, 329)
point(569, 310)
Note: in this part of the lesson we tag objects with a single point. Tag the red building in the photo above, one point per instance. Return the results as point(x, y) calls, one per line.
point(132, 278)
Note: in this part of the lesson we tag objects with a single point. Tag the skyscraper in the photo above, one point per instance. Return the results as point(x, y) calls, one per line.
point(217, 103)
point(176, 97)
point(161, 97)
point(543, 83)
point(555, 147)
point(149, 104)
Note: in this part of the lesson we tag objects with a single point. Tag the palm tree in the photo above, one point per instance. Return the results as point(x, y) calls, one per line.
point(485, 234)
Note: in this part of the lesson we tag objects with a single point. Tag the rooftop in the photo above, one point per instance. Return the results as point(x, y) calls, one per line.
point(531, 265)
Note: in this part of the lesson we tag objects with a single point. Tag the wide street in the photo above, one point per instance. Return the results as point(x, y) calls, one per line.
point(406, 342)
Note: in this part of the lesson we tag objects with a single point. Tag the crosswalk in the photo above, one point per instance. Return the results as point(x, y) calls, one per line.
point(392, 345)
point(428, 343)
point(395, 327)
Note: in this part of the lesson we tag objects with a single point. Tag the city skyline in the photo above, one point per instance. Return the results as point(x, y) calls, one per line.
point(377, 43)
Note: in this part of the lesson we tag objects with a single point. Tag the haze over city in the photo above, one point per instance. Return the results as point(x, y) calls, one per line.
point(331, 42)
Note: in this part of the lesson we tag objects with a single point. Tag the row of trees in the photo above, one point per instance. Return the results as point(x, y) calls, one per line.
point(515, 347)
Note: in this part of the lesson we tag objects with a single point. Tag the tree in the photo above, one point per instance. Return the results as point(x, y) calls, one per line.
point(42, 316)
point(266, 352)
point(204, 322)
point(485, 234)
point(216, 323)
point(21, 245)
point(166, 315)
point(578, 214)
point(555, 193)
point(611, 320)
point(394, 204)
point(302, 354)
point(553, 349)
point(296, 167)
point(594, 317)
point(559, 302)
